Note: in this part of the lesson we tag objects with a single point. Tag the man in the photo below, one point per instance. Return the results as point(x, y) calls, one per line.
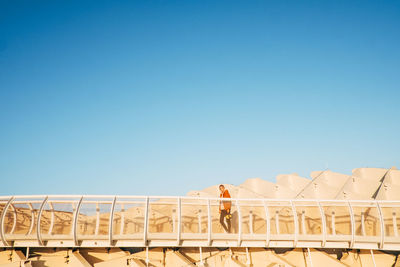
point(225, 209)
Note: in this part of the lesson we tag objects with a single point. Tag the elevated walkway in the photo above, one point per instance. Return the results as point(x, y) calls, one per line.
point(160, 221)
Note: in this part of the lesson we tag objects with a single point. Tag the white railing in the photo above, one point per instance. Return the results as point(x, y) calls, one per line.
point(138, 221)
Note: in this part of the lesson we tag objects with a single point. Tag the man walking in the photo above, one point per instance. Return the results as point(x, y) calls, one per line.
point(225, 209)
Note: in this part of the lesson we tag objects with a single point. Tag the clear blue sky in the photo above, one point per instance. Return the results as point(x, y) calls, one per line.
point(163, 97)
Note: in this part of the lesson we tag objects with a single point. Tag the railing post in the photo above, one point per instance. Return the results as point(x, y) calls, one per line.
point(268, 223)
point(352, 224)
point(96, 230)
point(394, 220)
point(111, 221)
point(39, 219)
point(209, 222)
point(296, 224)
point(321, 210)
point(178, 238)
point(121, 229)
point(382, 223)
point(362, 223)
point(73, 205)
point(173, 220)
point(51, 219)
point(240, 223)
point(251, 222)
point(303, 222)
point(3, 215)
point(146, 222)
point(199, 220)
point(32, 218)
point(75, 221)
point(15, 219)
point(277, 222)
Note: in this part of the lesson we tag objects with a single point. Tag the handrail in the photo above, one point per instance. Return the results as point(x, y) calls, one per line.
point(30, 197)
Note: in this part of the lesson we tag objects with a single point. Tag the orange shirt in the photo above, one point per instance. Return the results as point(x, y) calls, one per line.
point(226, 204)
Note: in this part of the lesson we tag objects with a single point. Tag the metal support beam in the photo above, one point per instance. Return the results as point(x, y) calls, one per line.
point(240, 223)
point(382, 225)
point(111, 221)
point(32, 218)
point(201, 257)
point(146, 222)
point(14, 219)
point(52, 217)
point(268, 223)
point(122, 226)
point(309, 257)
point(394, 221)
point(209, 222)
point(323, 218)
point(96, 229)
point(353, 226)
point(3, 215)
point(303, 222)
point(39, 219)
point(75, 221)
point(296, 224)
point(178, 235)
point(251, 219)
point(199, 221)
point(277, 222)
point(373, 257)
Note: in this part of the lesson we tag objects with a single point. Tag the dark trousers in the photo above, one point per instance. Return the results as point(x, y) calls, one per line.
point(222, 216)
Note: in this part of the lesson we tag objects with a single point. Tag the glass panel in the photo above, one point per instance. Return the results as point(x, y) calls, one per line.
point(94, 216)
point(46, 219)
point(366, 219)
point(13, 218)
point(163, 216)
point(391, 218)
point(337, 216)
point(253, 217)
point(281, 217)
point(21, 216)
point(63, 216)
point(129, 216)
point(217, 217)
point(3, 203)
point(309, 218)
point(194, 216)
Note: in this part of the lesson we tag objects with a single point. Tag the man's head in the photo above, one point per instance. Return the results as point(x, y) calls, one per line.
point(221, 188)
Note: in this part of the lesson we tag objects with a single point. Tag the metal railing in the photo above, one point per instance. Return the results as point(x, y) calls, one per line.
point(138, 221)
